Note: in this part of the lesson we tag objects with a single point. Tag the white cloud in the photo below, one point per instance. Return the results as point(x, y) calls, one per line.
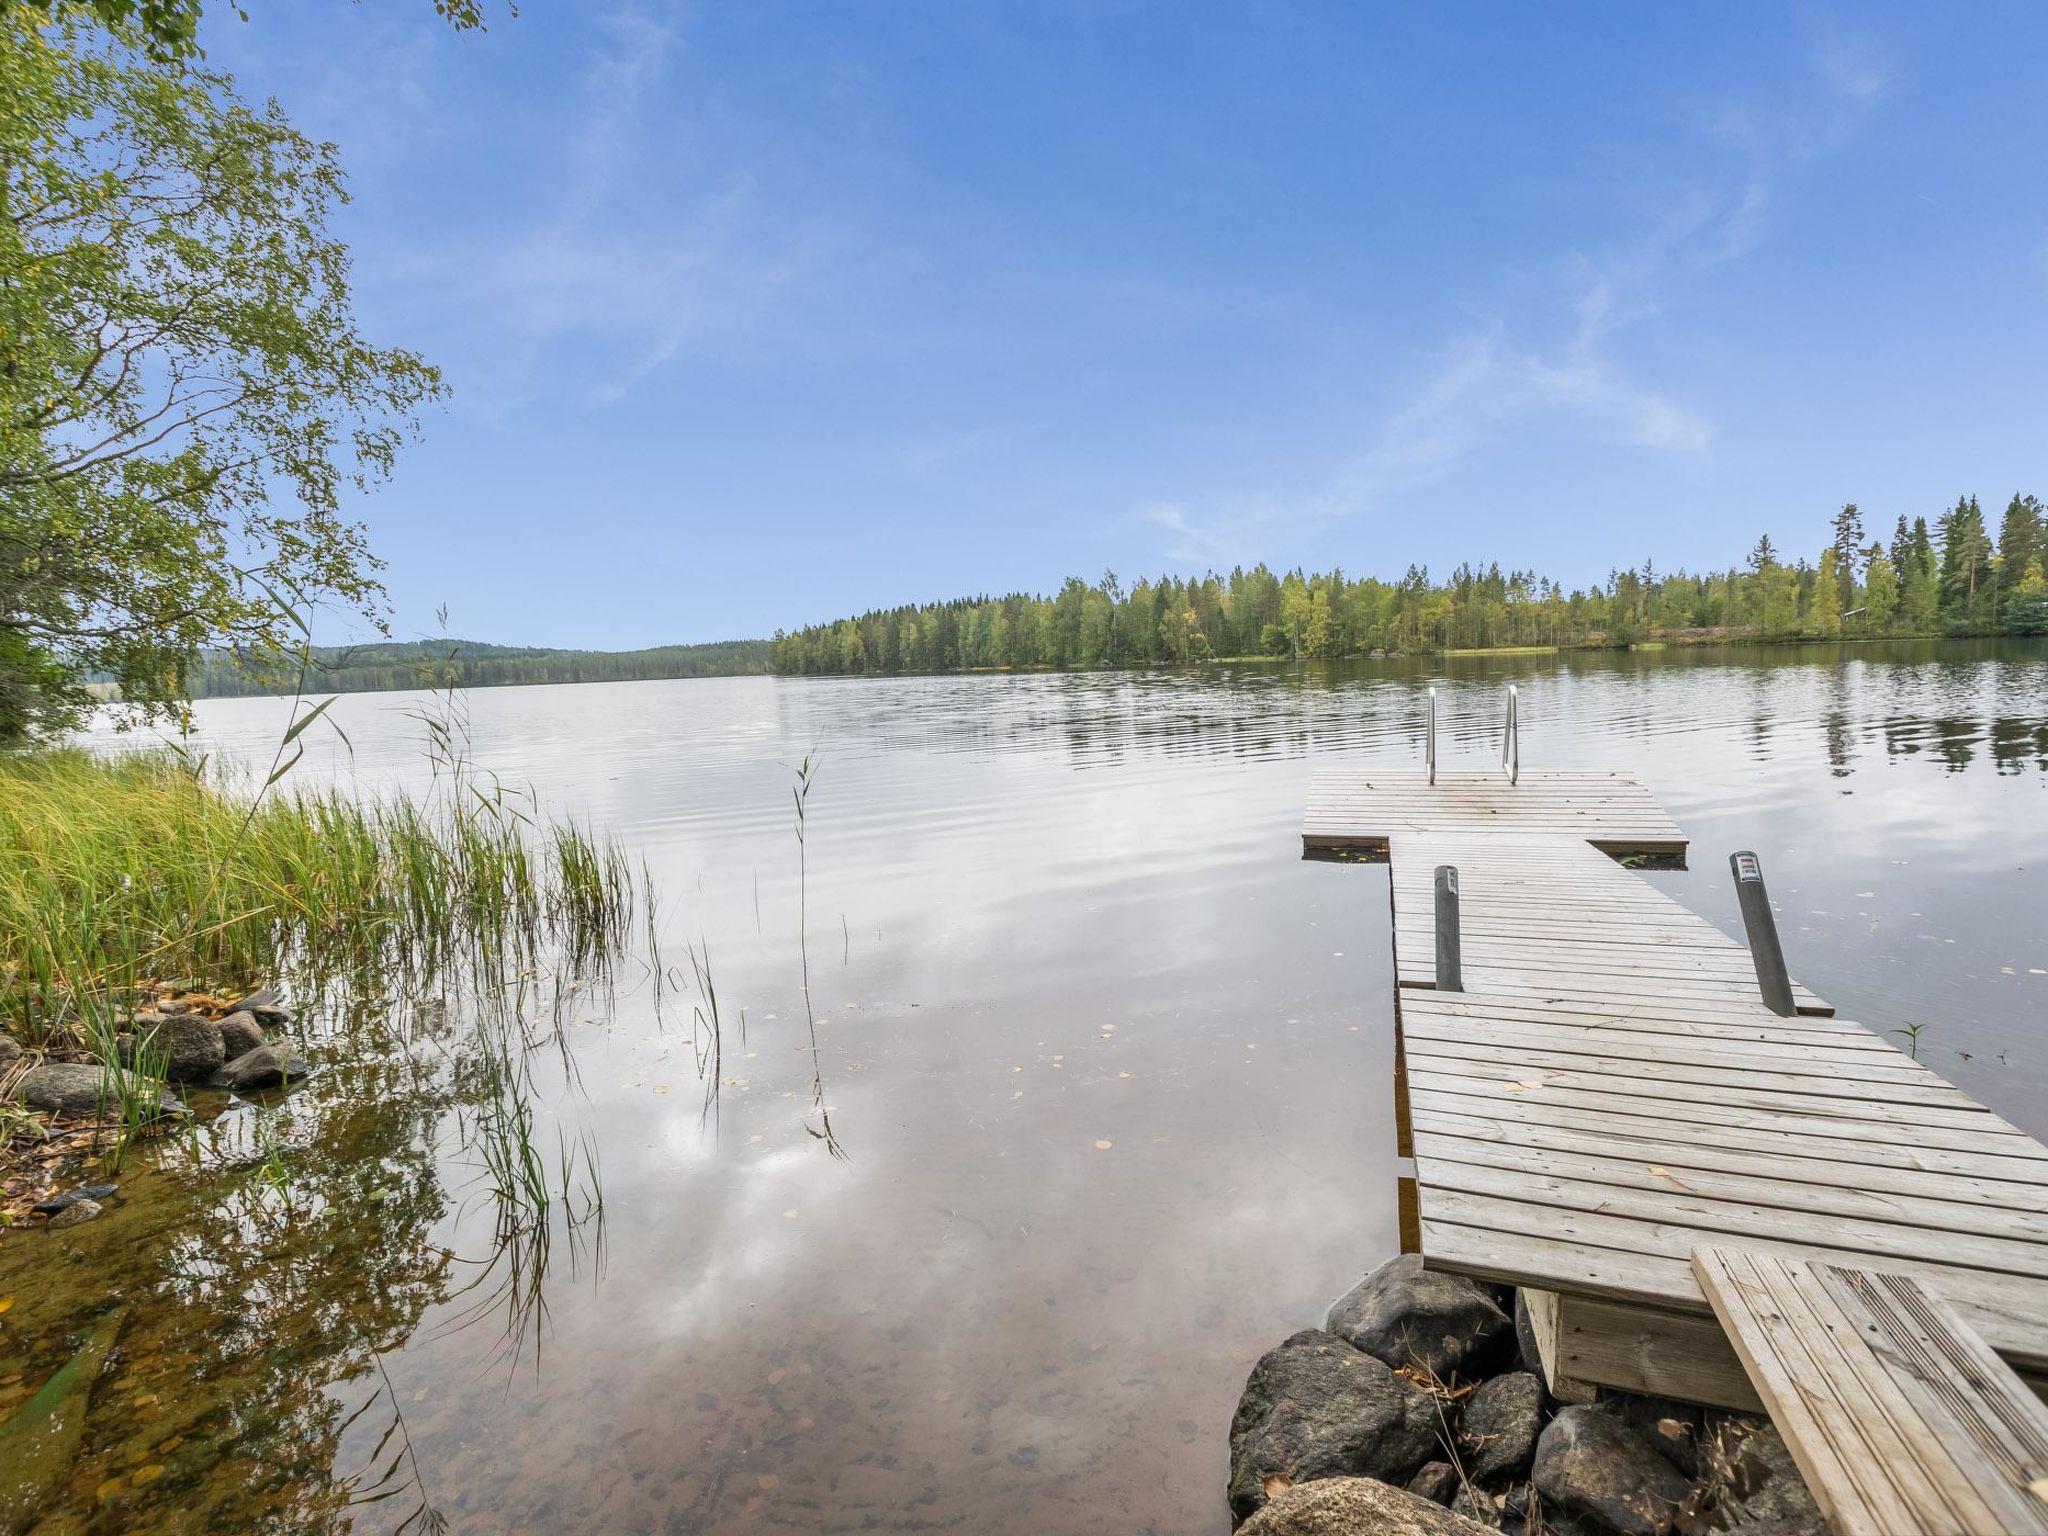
point(1491, 378)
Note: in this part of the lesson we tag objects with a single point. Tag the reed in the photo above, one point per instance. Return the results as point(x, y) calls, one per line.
point(153, 865)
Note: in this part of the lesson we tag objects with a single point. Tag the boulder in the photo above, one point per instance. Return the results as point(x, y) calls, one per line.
point(1315, 1407)
point(1438, 1482)
point(1595, 1465)
point(1525, 1336)
point(1404, 1314)
point(1357, 1506)
point(79, 1211)
point(1502, 1420)
point(266, 1005)
point(188, 1048)
point(74, 1090)
point(1750, 1486)
point(268, 1066)
point(1673, 1427)
point(241, 1034)
point(10, 1051)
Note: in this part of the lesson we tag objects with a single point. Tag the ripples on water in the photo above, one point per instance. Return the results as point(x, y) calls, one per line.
point(1110, 1062)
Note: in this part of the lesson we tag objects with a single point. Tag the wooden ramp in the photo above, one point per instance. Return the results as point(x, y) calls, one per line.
point(1900, 1418)
point(1609, 1093)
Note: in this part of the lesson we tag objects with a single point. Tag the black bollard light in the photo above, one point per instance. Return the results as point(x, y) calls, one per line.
point(1762, 929)
point(1450, 969)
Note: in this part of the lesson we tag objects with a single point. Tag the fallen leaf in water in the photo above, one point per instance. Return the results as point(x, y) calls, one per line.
point(1123, 1074)
point(1104, 1146)
point(111, 1485)
point(142, 1477)
point(662, 1088)
point(6, 1302)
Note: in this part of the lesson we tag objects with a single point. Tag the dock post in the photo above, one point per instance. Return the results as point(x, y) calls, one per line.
point(1762, 929)
point(1450, 967)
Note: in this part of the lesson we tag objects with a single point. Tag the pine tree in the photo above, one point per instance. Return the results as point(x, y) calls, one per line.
point(1901, 551)
point(1966, 585)
point(2019, 542)
point(1848, 545)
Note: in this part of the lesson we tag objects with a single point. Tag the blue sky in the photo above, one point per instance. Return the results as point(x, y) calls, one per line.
point(756, 314)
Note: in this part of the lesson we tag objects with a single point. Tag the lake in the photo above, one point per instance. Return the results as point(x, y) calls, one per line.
point(1106, 1064)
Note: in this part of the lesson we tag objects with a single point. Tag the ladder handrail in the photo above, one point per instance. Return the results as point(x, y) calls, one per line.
point(1511, 739)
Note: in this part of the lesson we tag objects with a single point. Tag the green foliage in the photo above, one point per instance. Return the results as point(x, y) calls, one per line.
point(1258, 612)
point(168, 30)
point(184, 394)
point(470, 664)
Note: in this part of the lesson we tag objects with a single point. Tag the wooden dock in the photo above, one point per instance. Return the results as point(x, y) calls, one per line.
point(1608, 1096)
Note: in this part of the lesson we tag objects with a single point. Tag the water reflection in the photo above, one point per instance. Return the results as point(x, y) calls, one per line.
point(1111, 1057)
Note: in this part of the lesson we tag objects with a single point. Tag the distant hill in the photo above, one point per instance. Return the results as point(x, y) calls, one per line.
point(388, 665)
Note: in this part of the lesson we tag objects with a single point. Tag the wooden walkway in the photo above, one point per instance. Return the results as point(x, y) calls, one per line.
point(1609, 1095)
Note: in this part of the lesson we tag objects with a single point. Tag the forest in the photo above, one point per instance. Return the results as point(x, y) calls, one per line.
point(1954, 578)
point(470, 664)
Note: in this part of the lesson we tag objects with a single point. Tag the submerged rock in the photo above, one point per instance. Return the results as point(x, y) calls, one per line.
point(268, 1066)
point(71, 1197)
point(1438, 1482)
point(77, 1090)
point(1595, 1465)
point(77, 1213)
point(1315, 1408)
point(1501, 1423)
point(241, 1034)
point(40, 1440)
point(1404, 1314)
point(1750, 1486)
point(190, 1048)
point(1357, 1506)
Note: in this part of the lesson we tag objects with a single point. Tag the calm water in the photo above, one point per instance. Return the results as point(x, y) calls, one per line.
point(1108, 1061)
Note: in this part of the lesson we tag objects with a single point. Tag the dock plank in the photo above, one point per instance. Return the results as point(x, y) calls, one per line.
point(1899, 1416)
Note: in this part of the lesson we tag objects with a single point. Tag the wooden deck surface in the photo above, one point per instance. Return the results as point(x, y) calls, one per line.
point(1609, 1093)
point(1898, 1416)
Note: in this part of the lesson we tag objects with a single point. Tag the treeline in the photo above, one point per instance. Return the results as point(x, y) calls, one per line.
point(471, 664)
point(1951, 579)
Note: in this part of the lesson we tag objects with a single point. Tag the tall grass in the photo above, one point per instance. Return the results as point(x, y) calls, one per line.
point(154, 866)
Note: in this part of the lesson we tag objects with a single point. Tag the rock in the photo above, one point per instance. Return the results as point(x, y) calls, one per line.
point(268, 1066)
point(1406, 1315)
point(1357, 1506)
point(1750, 1486)
point(1437, 1482)
point(77, 1212)
point(266, 1005)
point(1525, 1337)
point(241, 1034)
point(1671, 1426)
point(71, 1197)
point(1477, 1505)
point(10, 1052)
point(74, 1089)
point(190, 1048)
point(1502, 1420)
point(1593, 1464)
point(1315, 1407)
point(40, 1440)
